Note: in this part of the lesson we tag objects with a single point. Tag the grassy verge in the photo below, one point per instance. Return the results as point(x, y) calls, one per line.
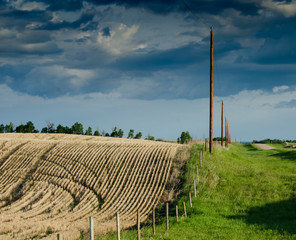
point(251, 195)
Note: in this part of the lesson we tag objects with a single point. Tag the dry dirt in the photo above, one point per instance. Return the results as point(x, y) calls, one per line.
point(52, 183)
point(263, 146)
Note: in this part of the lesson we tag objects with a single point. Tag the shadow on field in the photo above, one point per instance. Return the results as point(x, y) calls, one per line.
point(287, 155)
point(279, 216)
point(250, 147)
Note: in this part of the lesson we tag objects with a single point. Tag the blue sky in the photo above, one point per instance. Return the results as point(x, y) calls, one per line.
point(145, 65)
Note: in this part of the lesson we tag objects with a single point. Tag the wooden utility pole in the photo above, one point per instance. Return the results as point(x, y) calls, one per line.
point(211, 96)
point(226, 132)
point(222, 125)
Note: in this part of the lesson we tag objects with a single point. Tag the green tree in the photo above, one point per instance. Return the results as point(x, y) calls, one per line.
point(97, 133)
point(2, 128)
point(117, 133)
point(50, 127)
point(77, 128)
point(44, 130)
point(88, 131)
point(120, 133)
point(149, 137)
point(9, 127)
point(114, 132)
point(185, 137)
point(70, 130)
point(131, 133)
point(138, 135)
point(20, 128)
point(29, 127)
point(60, 129)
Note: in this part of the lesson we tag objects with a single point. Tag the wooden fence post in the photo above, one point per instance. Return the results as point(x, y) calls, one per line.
point(200, 159)
point(184, 206)
point(197, 175)
point(91, 228)
point(167, 216)
point(194, 186)
point(153, 220)
point(59, 236)
point(177, 213)
point(203, 148)
point(138, 224)
point(190, 201)
point(118, 226)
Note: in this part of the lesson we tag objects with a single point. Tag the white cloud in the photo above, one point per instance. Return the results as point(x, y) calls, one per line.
point(80, 76)
point(28, 6)
point(282, 7)
point(121, 40)
point(280, 89)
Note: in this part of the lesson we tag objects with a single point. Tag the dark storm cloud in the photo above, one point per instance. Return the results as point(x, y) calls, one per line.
point(280, 51)
point(279, 45)
point(157, 60)
point(189, 54)
point(172, 62)
point(18, 19)
point(14, 49)
point(66, 5)
point(106, 32)
point(164, 6)
point(197, 6)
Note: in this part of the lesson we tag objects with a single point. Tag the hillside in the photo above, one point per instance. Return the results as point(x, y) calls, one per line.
point(52, 183)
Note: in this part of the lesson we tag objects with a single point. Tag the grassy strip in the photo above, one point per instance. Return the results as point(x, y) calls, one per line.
point(252, 195)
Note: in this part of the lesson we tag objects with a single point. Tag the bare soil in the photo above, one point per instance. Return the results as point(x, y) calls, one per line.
point(263, 146)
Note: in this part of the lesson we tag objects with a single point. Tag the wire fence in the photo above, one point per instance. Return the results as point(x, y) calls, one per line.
point(198, 177)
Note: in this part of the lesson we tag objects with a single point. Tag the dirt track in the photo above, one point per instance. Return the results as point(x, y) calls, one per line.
point(263, 146)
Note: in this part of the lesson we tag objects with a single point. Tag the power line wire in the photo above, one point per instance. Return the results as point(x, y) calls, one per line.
point(194, 15)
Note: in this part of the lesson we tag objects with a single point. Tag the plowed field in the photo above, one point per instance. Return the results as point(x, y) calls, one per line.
point(52, 183)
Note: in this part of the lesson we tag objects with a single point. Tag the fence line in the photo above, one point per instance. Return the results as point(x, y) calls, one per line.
point(118, 226)
point(138, 219)
point(91, 228)
point(138, 225)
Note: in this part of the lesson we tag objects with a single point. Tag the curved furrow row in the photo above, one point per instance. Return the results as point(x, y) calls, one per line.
point(59, 181)
point(159, 184)
point(135, 193)
point(130, 213)
point(114, 177)
point(127, 183)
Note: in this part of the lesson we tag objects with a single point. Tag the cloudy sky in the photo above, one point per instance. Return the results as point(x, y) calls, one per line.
point(145, 65)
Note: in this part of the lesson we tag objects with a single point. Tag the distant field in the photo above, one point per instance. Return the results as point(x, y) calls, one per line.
point(52, 183)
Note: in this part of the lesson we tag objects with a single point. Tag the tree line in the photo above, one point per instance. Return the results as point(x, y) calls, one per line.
point(77, 128)
point(276, 141)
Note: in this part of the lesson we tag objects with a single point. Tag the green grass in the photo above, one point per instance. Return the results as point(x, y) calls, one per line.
point(252, 195)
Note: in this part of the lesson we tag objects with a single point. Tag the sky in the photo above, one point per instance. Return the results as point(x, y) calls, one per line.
point(144, 65)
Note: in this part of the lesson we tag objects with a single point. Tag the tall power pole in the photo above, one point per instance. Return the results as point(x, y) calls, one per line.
point(211, 96)
point(222, 125)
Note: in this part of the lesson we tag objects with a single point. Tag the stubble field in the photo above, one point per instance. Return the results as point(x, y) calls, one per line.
point(53, 183)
